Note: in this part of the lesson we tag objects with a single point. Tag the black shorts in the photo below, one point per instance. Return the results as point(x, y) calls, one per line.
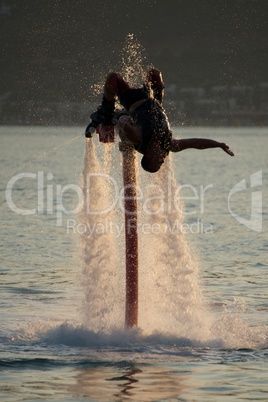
point(150, 117)
point(153, 122)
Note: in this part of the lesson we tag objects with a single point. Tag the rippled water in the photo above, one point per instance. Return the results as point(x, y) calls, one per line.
point(202, 332)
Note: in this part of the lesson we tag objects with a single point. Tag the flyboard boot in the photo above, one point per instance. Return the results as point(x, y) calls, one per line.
point(102, 122)
point(104, 119)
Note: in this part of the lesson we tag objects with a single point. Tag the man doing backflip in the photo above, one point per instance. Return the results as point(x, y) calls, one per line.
point(145, 122)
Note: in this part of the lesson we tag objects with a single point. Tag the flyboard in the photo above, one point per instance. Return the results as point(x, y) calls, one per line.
point(106, 135)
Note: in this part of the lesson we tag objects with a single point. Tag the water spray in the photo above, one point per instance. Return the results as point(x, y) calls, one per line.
point(106, 135)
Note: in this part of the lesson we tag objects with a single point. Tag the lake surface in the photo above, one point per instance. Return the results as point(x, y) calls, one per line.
point(203, 257)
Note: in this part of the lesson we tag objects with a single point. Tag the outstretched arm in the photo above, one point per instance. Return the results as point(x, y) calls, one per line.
point(198, 143)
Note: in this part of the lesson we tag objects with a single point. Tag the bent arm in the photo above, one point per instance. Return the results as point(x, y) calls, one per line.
point(198, 143)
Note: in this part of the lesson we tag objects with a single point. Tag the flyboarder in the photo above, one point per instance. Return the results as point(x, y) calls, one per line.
point(144, 120)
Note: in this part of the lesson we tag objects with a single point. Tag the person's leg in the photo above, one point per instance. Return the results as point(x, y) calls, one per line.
point(114, 86)
point(155, 80)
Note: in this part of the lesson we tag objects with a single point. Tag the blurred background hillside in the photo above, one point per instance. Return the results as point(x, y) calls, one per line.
point(213, 55)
